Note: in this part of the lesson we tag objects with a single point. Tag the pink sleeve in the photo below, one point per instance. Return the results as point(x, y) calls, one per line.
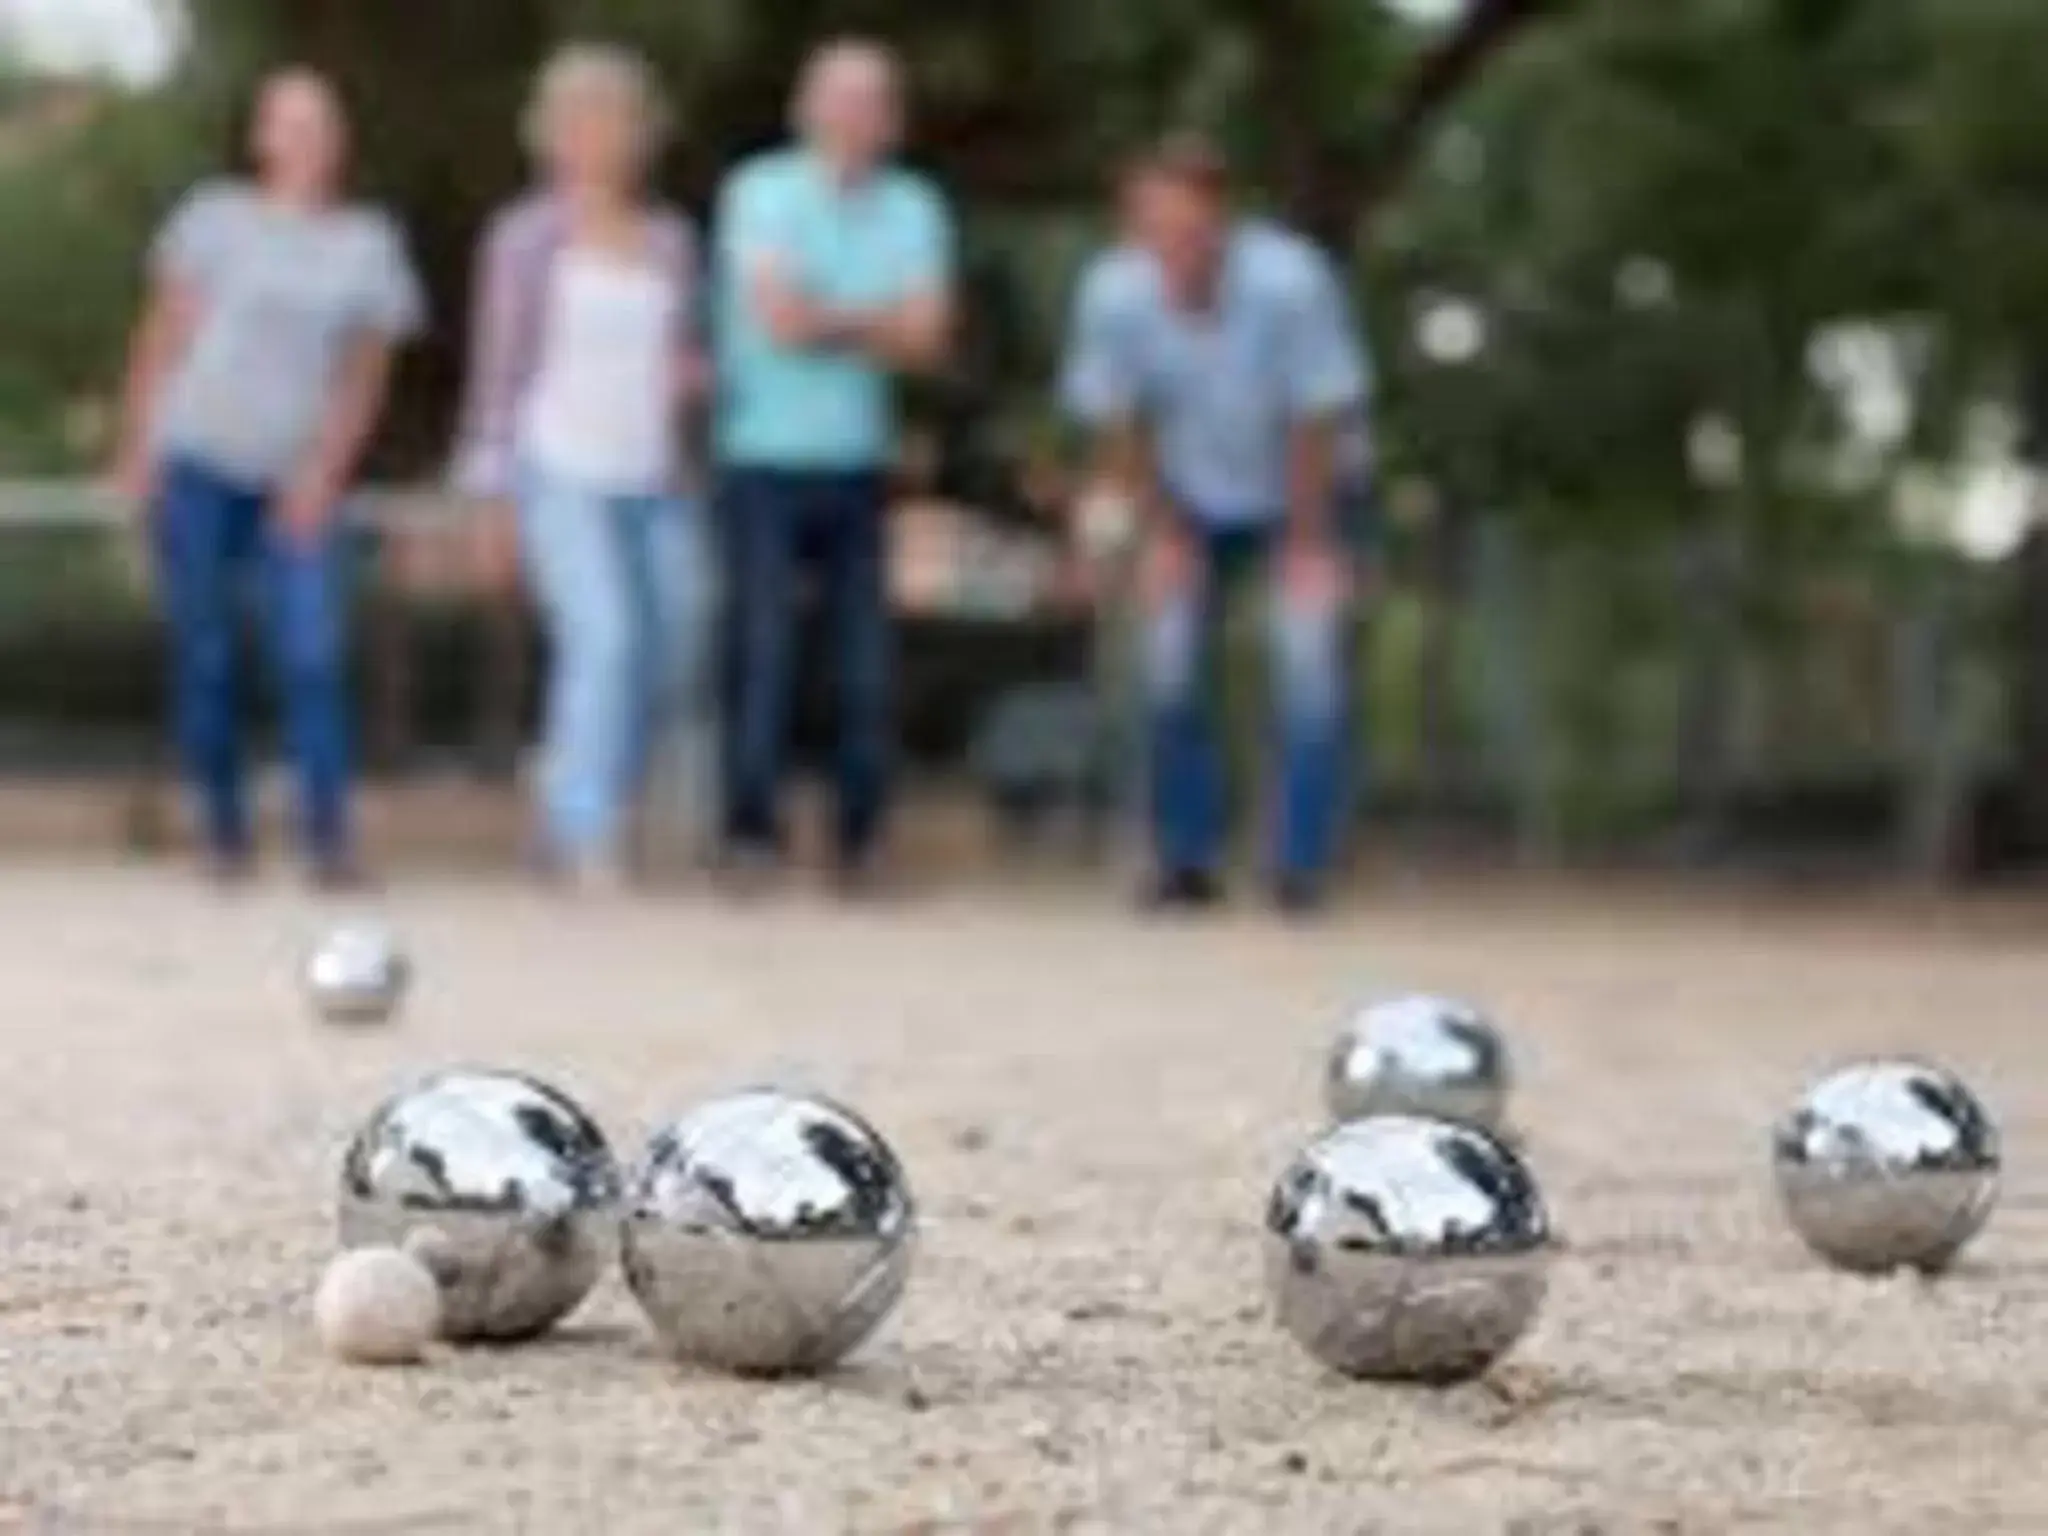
point(685, 264)
point(501, 310)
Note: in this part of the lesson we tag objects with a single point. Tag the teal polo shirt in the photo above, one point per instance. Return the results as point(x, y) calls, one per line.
point(864, 246)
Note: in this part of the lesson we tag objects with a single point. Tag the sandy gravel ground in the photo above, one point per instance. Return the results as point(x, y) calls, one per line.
point(1091, 1110)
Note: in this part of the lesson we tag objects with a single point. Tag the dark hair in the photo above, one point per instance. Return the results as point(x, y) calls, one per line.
point(1185, 159)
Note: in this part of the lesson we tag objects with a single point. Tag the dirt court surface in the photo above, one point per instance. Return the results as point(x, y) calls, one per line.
point(1091, 1110)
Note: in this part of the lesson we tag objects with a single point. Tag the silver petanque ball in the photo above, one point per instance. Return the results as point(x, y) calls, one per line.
point(357, 974)
point(1887, 1165)
point(1418, 1055)
point(1401, 1248)
point(767, 1233)
point(502, 1186)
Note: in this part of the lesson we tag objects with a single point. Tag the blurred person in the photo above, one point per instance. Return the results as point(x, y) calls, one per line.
point(584, 364)
point(255, 378)
point(1216, 359)
point(835, 272)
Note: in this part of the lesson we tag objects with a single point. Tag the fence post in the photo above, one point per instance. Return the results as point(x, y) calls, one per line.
point(1932, 731)
point(386, 650)
point(1435, 662)
point(1709, 575)
point(1509, 606)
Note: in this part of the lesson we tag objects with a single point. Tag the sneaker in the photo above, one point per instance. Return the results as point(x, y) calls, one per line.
point(861, 877)
point(1181, 890)
point(338, 874)
point(748, 869)
point(595, 875)
point(228, 866)
point(1299, 896)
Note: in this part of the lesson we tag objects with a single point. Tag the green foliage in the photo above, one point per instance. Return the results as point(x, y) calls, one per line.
point(78, 211)
point(1784, 168)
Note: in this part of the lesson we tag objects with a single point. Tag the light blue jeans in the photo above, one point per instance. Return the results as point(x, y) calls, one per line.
point(1306, 653)
point(625, 588)
point(1316, 731)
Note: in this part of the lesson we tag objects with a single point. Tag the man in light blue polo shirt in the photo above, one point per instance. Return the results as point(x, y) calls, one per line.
point(1218, 361)
point(834, 271)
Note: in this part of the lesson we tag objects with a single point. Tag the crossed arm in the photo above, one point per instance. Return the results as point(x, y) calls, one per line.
point(910, 335)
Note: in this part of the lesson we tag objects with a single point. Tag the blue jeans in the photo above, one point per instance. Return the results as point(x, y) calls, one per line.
point(624, 593)
point(211, 534)
point(780, 526)
point(1306, 653)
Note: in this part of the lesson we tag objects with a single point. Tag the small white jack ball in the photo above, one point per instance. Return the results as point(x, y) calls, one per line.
point(377, 1306)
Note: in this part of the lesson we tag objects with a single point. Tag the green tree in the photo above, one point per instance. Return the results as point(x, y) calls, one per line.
point(85, 174)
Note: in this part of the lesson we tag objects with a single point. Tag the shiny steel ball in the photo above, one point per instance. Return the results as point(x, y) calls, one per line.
point(1401, 1248)
point(1418, 1055)
point(500, 1185)
point(767, 1233)
point(357, 975)
point(1887, 1165)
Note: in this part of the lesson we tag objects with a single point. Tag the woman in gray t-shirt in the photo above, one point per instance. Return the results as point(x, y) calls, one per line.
point(256, 376)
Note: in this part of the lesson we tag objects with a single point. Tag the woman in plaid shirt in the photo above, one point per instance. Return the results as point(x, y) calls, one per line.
point(584, 366)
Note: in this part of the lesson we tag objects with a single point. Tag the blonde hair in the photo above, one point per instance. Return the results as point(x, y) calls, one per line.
point(580, 72)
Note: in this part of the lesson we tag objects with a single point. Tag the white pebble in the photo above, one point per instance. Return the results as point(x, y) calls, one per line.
point(377, 1306)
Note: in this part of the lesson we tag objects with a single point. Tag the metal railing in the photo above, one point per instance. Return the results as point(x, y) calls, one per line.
point(1518, 715)
point(79, 504)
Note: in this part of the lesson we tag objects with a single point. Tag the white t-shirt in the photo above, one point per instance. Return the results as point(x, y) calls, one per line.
point(602, 407)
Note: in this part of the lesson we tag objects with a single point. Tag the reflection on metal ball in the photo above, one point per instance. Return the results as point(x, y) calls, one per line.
point(500, 1185)
point(767, 1233)
point(1418, 1055)
point(1888, 1165)
point(1402, 1248)
point(357, 975)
